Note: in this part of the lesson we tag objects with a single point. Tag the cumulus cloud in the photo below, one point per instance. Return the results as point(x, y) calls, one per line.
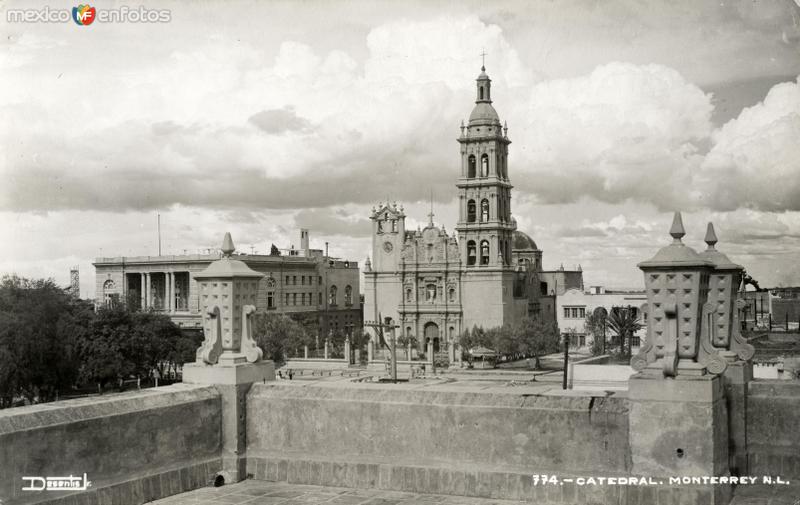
point(276, 121)
point(622, 132)
point(755, 159)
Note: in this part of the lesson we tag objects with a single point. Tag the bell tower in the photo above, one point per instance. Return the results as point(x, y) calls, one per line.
point(485, 227)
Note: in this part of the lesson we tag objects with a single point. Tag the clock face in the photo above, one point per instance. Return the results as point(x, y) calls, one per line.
point(387, 246)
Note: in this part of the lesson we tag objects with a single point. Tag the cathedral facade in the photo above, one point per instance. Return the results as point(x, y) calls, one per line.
point(435, 284)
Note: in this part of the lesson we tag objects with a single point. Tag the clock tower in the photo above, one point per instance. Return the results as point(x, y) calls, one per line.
point(388, 235)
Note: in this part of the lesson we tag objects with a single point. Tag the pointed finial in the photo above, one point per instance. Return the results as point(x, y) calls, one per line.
point(711, 237)
point(677, 231)
point(227, 245)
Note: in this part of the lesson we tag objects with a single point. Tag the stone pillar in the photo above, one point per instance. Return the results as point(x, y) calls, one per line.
point(451, 351)
point(430, 351)
point(143, 286)
point(326, 348)
point(305, 351)
point(370, 350)
point(678, 415)
point(347, 350)
point(229, 358)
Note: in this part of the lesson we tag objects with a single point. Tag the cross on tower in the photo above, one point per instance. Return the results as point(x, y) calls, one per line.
point(483, 59)
point(430, 215)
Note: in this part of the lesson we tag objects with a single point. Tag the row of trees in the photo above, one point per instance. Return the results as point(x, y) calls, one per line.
point(529, 337)
point(51, 342)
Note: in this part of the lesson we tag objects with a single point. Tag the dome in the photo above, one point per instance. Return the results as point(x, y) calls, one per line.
point(522, 241)
point(484, 113)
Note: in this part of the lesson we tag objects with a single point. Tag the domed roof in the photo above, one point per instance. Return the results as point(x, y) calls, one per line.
point(523, 241)
point(677, 254)
point(484, 113)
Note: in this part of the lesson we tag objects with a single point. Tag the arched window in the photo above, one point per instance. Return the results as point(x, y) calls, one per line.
point(108, 293)
point(481, 92)
point(409, 294)
point(484, 211)
point(394, 225)
point(451, 294)
point(471, 166)
point(484, 252)
point(332, 297)
point(471, 211)
point(471, 253)
point(485, 165)
point(348, 295)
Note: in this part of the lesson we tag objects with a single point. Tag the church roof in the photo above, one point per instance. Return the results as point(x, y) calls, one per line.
point(523, 241)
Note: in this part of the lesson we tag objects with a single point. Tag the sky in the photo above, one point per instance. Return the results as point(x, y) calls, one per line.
point(259, 118)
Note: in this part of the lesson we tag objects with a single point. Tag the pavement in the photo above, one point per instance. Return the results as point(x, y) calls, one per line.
point(256, 492)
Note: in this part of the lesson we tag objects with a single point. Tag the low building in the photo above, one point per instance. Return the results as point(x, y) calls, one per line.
point(574, 304)
point(302, 282)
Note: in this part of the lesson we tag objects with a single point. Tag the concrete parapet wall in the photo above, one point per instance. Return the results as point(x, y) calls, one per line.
point(773, 428)
point(439, 427)
point(134, 447)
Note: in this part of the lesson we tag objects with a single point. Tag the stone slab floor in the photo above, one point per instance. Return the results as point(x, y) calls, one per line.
point(256, 492)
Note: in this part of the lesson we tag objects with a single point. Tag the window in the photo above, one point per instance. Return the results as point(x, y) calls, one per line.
point(294, 298)
point(320, 298)
point(380, 226)
point(451, 294)
point(484, 252)
point(471, 253)
point(471, 166)
point(294, 280)
point(332, 298)
point(485, 165)
point(348, 295)
point(430, 292)
point(302, 280)
point(566, 312)
point(108, 295)
point(287, 280)
point(471, 211)
point(302, 298)
point(320, 280)
point(286, 302)
point(484, 211)
point(575, 312)
point(394, 225)
point(270, 300)
point(409, 294)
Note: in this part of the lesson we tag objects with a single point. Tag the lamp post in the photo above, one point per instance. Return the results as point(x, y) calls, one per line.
point(379, 327)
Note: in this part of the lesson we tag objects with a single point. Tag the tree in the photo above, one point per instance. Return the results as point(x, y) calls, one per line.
point(276, 334)
point(39, 326)
point(537, 338)
point(624, 323)
point(595, 326)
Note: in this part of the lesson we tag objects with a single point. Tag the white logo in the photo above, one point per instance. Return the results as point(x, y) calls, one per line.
point(70, 483)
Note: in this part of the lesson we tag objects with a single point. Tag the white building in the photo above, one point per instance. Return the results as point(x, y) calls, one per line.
point(573, 306)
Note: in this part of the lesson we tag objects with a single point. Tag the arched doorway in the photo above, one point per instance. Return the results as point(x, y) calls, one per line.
point(432, 335)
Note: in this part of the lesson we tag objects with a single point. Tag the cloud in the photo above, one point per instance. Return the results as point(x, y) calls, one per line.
point(334, 222)
point(622, 132)
point(278, 121)
point(755, 159)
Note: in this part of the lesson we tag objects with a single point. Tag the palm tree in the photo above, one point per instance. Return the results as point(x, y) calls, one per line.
point(624, 321)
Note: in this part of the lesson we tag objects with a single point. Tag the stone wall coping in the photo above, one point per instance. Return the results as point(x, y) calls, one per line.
point(515, 397)
point(43, 415)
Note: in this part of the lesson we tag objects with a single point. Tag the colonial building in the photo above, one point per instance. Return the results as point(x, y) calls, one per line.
point(302, 282)
point(575, 304)
point(436, 284)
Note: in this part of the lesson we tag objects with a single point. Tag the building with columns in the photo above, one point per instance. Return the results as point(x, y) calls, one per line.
point(436, 284)
point(301, 282)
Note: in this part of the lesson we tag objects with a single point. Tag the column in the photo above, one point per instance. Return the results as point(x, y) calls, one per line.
point(143, 290)
point(148, 294)
point(347, 350)
point(326, 348)
point(171, 299)
point(370, 350)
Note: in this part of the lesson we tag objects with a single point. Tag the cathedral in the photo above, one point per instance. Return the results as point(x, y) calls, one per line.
point(435, 284)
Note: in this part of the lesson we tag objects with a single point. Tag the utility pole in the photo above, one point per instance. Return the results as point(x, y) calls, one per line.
point(566, 361)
